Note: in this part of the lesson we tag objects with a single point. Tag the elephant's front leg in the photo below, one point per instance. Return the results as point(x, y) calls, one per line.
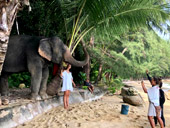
point(36, 77)
point(43, 86)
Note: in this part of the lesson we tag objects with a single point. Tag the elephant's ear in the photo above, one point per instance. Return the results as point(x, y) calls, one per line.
point(45, 49)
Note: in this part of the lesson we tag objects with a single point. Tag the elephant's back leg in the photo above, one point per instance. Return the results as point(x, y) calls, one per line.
point(4, 89)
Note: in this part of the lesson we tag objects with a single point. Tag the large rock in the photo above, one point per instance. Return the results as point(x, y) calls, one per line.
point(133, 100)
point(131, 95)
point(129, 91)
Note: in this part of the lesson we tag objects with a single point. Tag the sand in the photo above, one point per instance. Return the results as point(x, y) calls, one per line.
point(103, 113)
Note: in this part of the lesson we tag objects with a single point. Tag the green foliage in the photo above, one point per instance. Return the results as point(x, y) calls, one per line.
point(82, 17)
point(45, 19)
point(84, 87)
point(15, 79)
point(130, 54)
point(153, 54)
point(94, 69)
point(112, 89)
point(115, 85)
point(82, 77)
point(109, 21)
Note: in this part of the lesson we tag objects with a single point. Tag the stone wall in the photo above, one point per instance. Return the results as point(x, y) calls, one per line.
point(18, 114)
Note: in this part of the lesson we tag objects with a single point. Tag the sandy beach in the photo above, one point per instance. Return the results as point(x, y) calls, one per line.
point(103, 113)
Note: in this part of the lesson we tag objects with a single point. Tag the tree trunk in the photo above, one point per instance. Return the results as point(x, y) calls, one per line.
point(99, 73)
point(8, 12)
point(87, 67)
point(54, 86)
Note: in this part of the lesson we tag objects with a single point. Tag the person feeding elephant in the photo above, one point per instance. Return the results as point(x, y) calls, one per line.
point(67, 85)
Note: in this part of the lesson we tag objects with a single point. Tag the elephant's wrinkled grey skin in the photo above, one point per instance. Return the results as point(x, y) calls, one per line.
point(33, 54)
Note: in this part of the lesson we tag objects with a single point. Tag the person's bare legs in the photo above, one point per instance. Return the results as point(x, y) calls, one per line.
point(65, 99)
point(90, 90)
point(160, 122)
point(151, 121)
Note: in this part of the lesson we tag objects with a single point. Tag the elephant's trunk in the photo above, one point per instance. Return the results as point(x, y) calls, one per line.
point(69, 59)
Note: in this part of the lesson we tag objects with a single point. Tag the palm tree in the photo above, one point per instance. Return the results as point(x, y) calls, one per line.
point(8, 13)
point(80, 17)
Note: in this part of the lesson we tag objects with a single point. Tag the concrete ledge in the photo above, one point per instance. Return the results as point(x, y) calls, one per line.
point(19, 113)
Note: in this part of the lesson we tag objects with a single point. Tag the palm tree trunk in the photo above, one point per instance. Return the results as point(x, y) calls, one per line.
point(8, 12)
point(87, 69)
point(99, 73)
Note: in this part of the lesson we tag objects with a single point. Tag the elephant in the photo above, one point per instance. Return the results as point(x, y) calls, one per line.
point(34, 54)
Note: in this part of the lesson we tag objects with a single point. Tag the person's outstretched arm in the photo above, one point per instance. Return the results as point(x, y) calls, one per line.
point(143, 86)
point(61, 73)
point(73, 83)
point(149, 78)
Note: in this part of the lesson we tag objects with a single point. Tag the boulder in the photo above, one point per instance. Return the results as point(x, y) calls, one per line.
point(131, 95)
point(124, 91)
point(133, 100)
point(129, 91)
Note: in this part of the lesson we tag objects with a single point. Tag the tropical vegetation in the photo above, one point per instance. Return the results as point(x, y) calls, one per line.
point(125, 44)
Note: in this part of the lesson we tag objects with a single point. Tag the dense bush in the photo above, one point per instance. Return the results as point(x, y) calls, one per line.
point(15, 79)
point(82, 78)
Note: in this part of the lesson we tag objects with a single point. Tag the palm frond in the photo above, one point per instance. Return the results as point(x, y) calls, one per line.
point(132, 14)
point(118, 16)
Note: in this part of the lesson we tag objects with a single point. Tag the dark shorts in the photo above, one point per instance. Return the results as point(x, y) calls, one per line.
point(87, 84)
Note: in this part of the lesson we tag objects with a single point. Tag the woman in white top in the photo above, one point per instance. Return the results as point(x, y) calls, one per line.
point(67, 85)
point(154, 105)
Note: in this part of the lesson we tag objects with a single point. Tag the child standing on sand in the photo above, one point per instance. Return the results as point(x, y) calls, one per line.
point(67, 85)
point(154, 104)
